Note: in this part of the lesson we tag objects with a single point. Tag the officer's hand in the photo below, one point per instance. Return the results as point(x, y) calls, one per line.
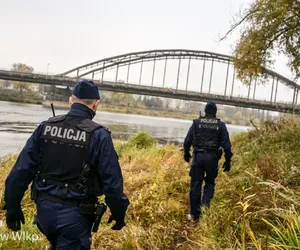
point(120, 223)
point(14, 217)
point(227, 166)
point(187, 157)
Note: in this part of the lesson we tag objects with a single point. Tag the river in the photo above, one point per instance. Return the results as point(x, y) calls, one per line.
point(17, 122)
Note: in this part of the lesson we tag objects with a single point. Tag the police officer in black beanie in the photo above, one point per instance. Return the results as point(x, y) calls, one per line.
point(71, 160)
point(207, 134)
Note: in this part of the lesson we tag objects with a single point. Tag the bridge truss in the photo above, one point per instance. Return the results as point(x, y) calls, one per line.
point(127, 60)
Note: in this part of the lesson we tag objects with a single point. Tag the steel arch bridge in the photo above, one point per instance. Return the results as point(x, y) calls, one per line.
point(184, 86)
point(154, 55)
point(126, 60)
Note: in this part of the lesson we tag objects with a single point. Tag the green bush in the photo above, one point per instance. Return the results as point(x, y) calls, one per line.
point(142, 140)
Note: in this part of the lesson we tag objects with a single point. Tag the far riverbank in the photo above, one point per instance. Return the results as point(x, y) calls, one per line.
point(27, 96)
point(12, 95)
point(141, 111)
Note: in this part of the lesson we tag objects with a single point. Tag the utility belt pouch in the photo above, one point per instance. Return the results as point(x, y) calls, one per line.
point(87, 209)
point(33, 194)
point(83, 178)
point(99, 211)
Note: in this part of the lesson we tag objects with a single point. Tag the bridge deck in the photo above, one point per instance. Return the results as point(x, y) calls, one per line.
point(154, 91)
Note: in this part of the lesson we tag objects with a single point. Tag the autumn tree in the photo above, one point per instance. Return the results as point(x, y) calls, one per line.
point(122, 99)
point(267, 27)
point(20, 67)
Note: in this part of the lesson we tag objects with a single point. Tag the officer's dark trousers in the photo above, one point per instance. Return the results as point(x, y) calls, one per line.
point(204, 167)
point(63, 226)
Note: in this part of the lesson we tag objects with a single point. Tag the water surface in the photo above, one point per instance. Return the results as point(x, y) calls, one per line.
point(18, 121)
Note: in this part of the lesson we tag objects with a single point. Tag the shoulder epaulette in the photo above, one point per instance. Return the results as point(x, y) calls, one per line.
point(57, 118)
point(89, 125)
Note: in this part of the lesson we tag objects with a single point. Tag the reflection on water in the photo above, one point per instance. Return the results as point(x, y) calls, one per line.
point(18, 121)
point(17, 127)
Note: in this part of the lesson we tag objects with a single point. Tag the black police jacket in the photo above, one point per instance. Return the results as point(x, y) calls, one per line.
point(210, 132)
point(64, 145)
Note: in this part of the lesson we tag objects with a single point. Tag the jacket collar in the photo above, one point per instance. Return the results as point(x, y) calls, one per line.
point(78, 109)
point(210, 115)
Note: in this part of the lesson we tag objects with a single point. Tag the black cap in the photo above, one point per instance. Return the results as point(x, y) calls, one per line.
point(85, 89)
point(211, 108)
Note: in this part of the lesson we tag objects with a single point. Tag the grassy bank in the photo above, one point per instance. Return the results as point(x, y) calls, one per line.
point(256, 205)
point(11, 95)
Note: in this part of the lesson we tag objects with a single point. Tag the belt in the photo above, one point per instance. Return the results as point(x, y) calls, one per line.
point(42, 195)
point(201, 150)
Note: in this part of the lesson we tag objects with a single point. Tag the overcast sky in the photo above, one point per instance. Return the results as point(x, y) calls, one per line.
point(69, 33)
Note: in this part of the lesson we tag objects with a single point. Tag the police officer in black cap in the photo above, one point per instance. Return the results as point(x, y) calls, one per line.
point(71, 160)
point(207, 134)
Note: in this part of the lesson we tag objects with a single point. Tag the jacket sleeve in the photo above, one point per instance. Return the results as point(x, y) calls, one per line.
point(110, 174)
point(188, 141)
point(23, 172)
point(225, 141)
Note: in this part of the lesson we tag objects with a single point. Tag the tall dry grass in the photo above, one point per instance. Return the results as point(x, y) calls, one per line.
point(256, 205)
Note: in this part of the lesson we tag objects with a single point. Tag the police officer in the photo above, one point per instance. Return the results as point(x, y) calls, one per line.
point(206, 135)
point(71, 160)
